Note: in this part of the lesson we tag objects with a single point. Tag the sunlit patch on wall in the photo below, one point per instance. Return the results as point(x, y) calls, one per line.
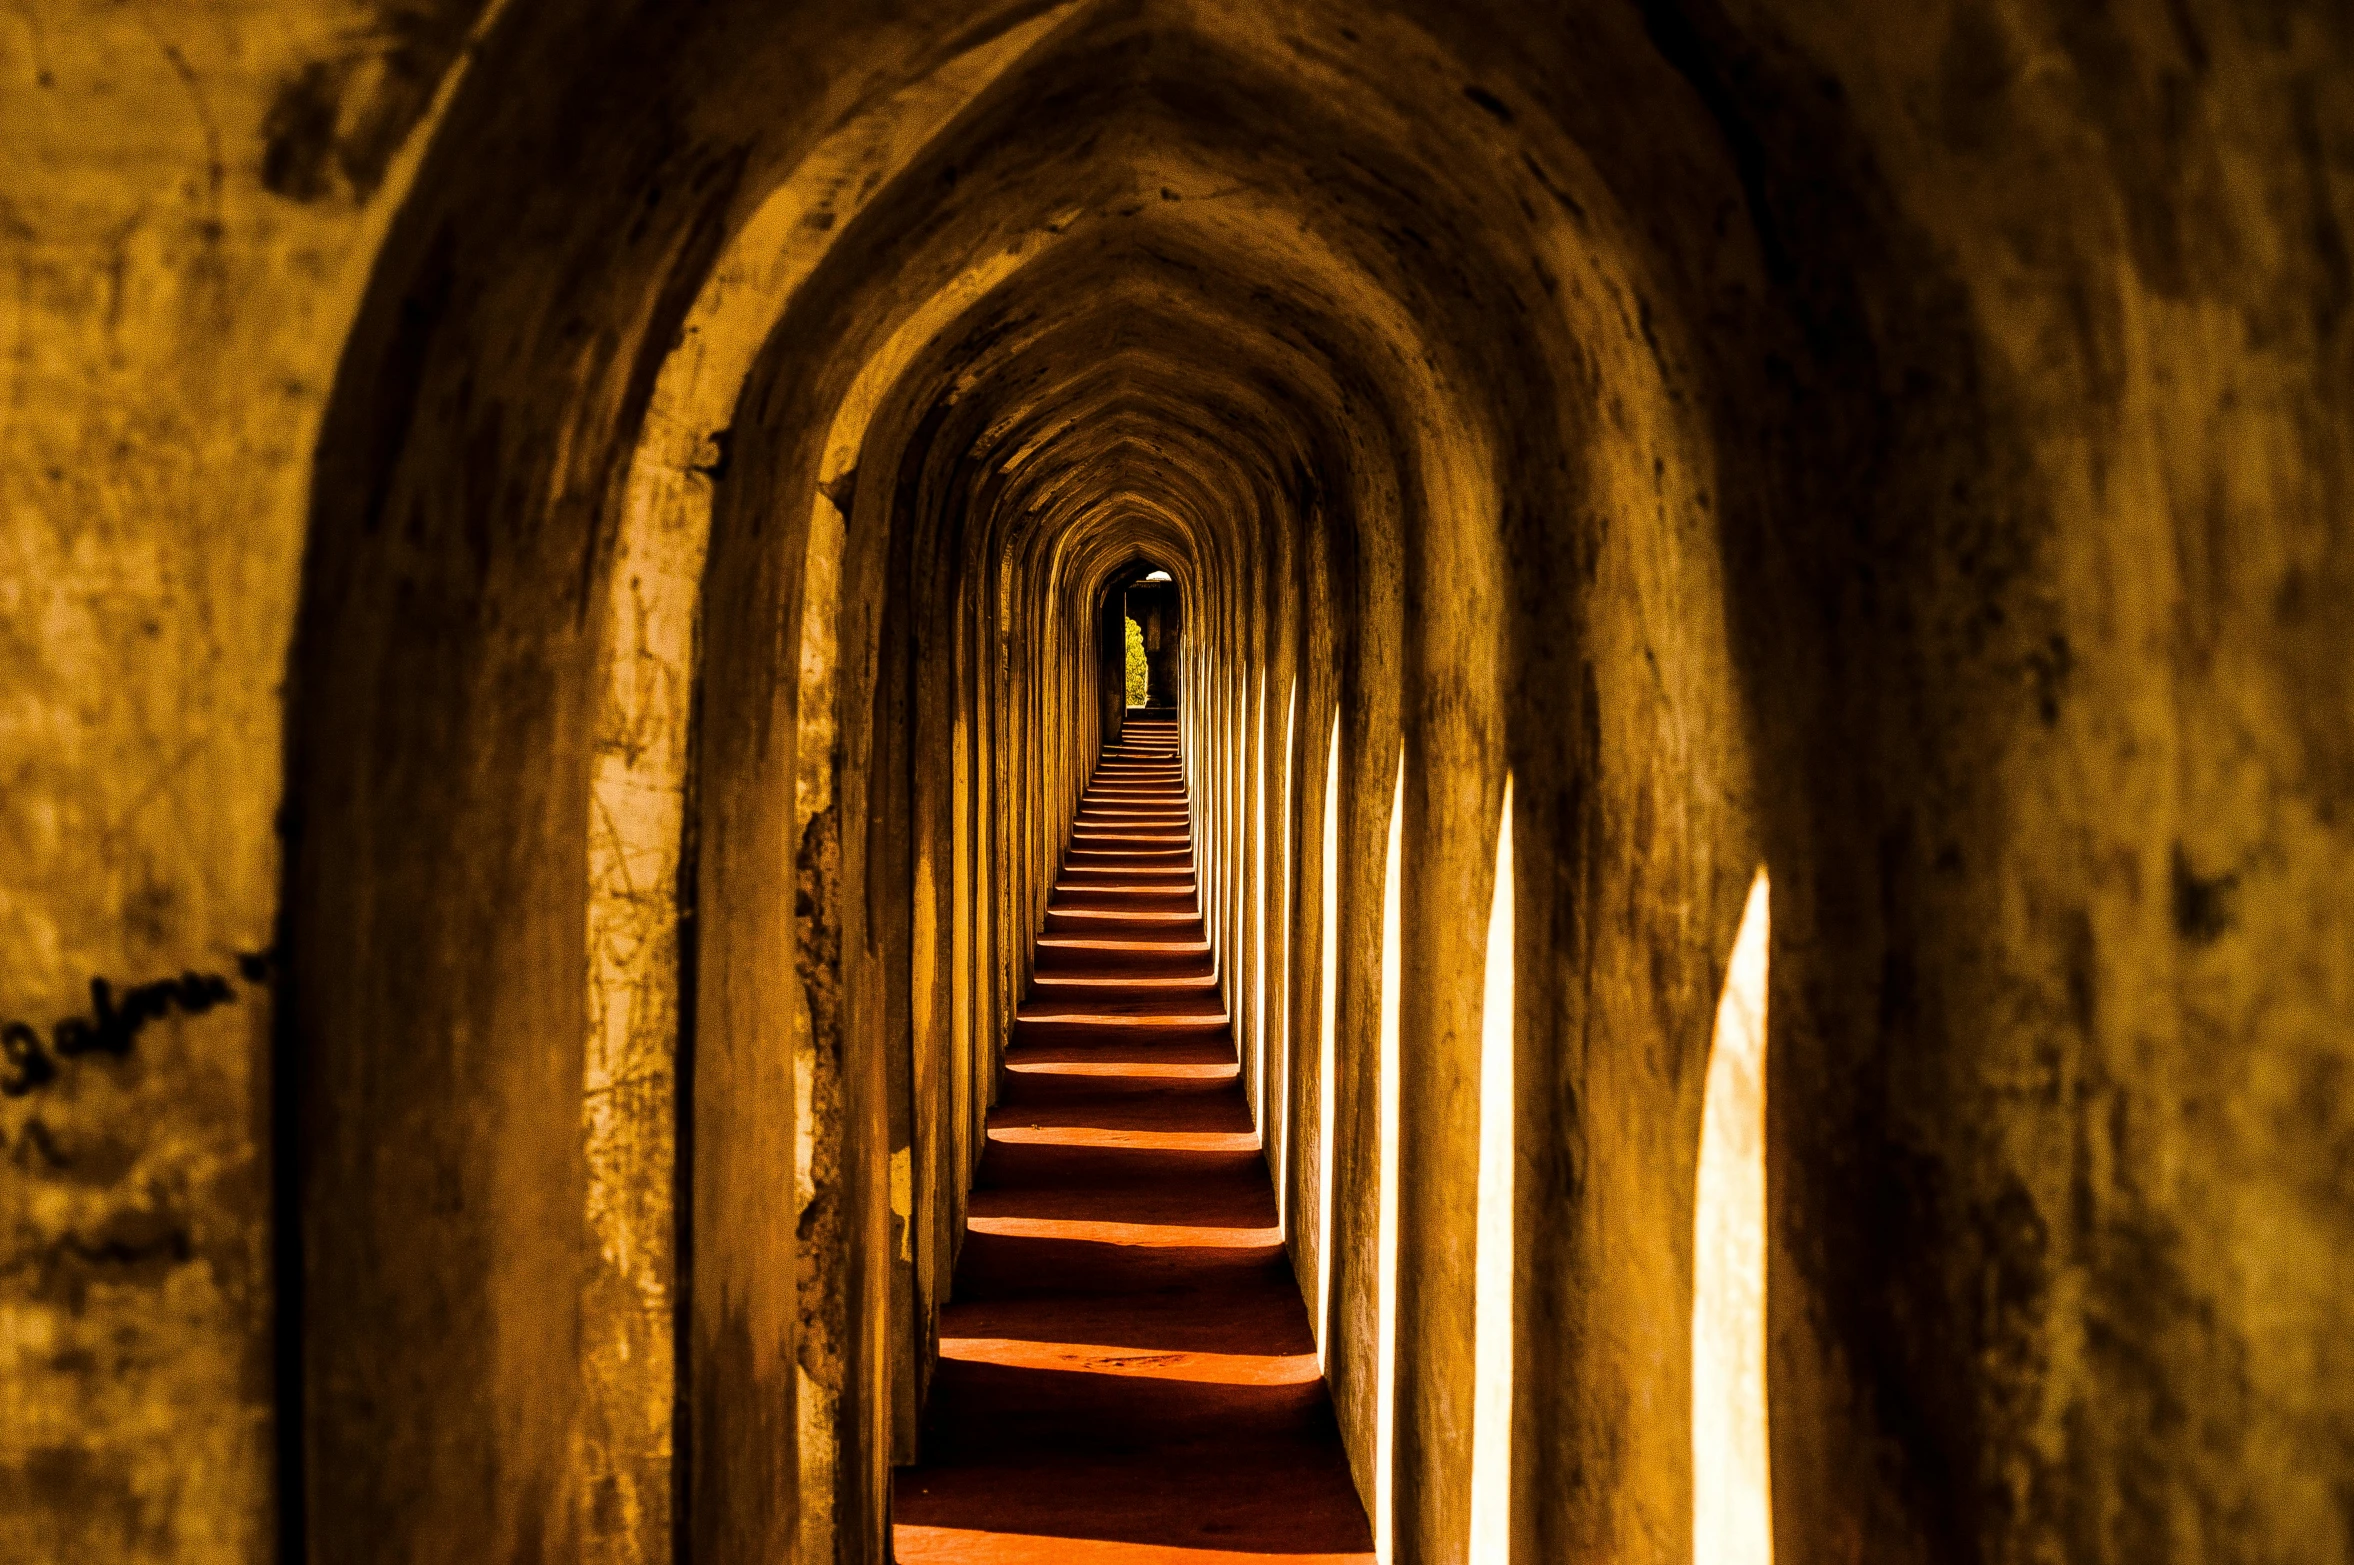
point(1291, 713)
point(1259, 903)
point(1385, 1362)
point(1329, 1004)
point(1732, 1502)
point(1491, 1404)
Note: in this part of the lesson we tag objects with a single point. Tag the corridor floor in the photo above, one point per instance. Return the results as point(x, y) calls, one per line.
point(1126, 1372)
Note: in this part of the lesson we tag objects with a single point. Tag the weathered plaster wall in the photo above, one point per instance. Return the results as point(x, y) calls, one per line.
point(2080, 1130)
point(190, 198)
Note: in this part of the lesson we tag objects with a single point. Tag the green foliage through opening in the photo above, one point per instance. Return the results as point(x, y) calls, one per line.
point(1139, 685)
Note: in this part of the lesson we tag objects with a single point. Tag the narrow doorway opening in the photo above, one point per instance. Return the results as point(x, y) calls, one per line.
point(1155, 638)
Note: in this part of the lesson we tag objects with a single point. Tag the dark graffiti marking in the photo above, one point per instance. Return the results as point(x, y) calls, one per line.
point(114, 1021)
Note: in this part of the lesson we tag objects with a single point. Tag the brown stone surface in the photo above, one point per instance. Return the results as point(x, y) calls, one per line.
point(561, 552)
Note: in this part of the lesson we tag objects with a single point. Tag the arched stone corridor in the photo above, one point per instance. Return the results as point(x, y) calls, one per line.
point(1767, 757)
